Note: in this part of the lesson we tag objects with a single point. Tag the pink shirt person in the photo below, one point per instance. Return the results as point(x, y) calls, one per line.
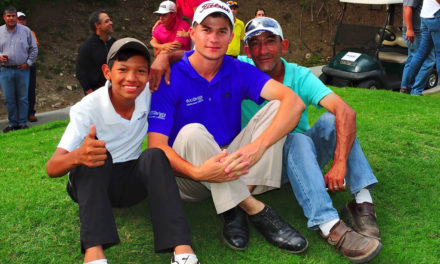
point(163, 35)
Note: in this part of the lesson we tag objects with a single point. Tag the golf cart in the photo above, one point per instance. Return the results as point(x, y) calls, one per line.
point(369, 56)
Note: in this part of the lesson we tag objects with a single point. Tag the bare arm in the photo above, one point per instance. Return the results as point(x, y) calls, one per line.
point(91, 153)
point(161, 67)
point(212, 170)
point(407, 17)
point(287, 117)
point(345, 123)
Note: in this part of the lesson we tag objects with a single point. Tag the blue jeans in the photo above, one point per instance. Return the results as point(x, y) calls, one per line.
point(305, 155)
point(430, 40)
point(14, 83)
point(422, 77)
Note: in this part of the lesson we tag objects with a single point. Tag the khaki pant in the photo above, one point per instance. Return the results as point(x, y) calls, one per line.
point(195, 144)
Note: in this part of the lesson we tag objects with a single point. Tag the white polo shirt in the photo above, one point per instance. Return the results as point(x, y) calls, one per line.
point(123, 138)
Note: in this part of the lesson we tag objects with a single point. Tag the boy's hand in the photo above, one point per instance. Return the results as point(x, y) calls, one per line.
point(92, 152)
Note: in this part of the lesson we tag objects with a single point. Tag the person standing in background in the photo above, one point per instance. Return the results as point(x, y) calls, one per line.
point(172, 33)
point(32, 74)
point(234, 46)
point(430, 16)
point(259, 12)
point(93, 52)
point(18, 51)
point(412, 36)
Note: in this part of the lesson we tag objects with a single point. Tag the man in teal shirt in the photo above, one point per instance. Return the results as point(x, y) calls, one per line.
point(307, 150)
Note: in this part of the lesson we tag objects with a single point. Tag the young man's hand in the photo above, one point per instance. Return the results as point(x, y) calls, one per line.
point(92, 152)
point(159, 68)
point(251, 153)
point(222, 168)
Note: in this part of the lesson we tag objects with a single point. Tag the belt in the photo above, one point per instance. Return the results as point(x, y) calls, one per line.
point(11, 66)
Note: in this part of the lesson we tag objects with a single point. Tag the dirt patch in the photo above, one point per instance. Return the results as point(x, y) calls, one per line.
point(61, 26)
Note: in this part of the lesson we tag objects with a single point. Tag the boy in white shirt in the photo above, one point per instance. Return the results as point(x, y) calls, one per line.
point(101, 150)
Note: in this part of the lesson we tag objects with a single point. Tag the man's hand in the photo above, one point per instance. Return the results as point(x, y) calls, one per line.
point(214, 169)
point(334, 178)
point(251, 153)
point(24, 66)
point(410, 35)
point(159, 67)
point(92, 152)
point(4, 58)
point(171, 46)
point(182, 34)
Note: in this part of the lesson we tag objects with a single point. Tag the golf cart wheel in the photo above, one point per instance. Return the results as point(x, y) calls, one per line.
point(369, 84)
point(432, 81)
point(324, 78)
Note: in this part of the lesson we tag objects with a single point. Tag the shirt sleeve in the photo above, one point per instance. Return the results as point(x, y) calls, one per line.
point(314, 90)
point(253, 85)
point(161, 116)
point(33, 49)
point(77, 129)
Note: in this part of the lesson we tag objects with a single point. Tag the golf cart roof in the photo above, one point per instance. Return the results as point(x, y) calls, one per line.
point(372, 2)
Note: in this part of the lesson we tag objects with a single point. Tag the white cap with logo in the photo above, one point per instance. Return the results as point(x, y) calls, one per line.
point(213, 6)
point(20, 14)
point(166, 7)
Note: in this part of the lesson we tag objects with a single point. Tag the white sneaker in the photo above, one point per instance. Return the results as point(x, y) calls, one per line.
point(184, 259)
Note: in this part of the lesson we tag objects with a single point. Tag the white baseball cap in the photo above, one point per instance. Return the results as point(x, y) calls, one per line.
point(20, 14)
point(213, 6)
point(166, 7)
point(259, 25)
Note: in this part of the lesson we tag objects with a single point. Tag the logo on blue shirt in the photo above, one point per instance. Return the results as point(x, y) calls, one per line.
point(194, 100)
point(157, 115)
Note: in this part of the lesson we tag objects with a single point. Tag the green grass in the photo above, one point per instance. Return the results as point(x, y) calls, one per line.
point(399, 134)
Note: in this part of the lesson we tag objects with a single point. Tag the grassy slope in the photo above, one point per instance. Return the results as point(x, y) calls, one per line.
point(398, 133)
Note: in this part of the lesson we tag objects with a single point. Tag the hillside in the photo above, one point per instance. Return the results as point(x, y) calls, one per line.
point(61, 26)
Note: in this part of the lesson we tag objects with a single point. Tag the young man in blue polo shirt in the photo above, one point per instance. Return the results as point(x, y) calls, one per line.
point(198, 114)
point(101, 150)
point(307, 150)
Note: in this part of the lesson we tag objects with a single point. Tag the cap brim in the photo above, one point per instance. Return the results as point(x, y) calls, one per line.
point(258, 32)
point(161, 12)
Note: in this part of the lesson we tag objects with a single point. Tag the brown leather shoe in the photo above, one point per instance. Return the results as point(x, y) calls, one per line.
point(351, 244)
point(32, 118)
point(362, 218)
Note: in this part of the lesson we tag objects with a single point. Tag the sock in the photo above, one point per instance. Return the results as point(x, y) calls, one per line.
point(363, 196)
point(327, 226)
point(98, 261)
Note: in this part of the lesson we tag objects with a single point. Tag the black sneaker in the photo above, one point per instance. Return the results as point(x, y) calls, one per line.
point(22, 127)
point(278, 232)
point(9, 129)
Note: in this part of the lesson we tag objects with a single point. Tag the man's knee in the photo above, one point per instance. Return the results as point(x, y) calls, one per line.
point(296, 142)
point(327, 119)
point(192, 134)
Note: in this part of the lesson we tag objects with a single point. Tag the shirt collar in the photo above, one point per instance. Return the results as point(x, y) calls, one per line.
point(288, 78)
point(225, 69)
point(112, 117)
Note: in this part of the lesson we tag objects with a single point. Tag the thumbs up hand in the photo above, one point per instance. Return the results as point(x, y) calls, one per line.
point(92, 152)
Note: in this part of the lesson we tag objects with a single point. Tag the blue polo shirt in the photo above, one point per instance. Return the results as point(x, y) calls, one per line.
point(300, 80)
point(190, 98)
